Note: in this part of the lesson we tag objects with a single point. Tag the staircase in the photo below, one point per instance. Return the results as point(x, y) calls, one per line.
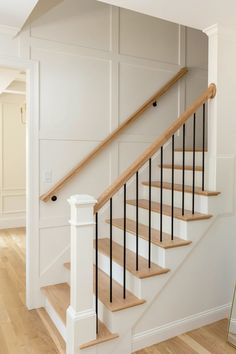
point(133, 240)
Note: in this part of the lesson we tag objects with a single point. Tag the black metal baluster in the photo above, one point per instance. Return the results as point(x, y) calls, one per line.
point(110, 249)
point(193, 189)
point(137, 221)
point(183, 176)
point(203, 146)
point(161, 195)
point(150, 214)
point(124, 270)
point(96, 270)
point(172, 187)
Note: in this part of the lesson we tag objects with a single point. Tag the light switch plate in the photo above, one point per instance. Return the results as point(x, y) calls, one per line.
point(47, 176)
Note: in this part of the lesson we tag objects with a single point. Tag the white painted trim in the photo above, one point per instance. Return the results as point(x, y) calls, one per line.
point(10, 30)
point(34, 297)
point(175, 328)
point(9, 223)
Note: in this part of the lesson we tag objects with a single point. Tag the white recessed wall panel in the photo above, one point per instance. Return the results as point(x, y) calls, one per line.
point(74, 95)
point(137, 84)
point(81, 22)
point(147, 37)
point(14, 204)
point(129, 152)
point(196, 84)
point(53, 241)
point(197, 49)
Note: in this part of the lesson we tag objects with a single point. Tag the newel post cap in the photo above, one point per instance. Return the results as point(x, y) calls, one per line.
point(81, 199)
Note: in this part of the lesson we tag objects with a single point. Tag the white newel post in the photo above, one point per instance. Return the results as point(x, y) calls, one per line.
point(81, 317)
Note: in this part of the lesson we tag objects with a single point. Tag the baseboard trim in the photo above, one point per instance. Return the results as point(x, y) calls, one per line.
point(159, 334)
point(11, 223)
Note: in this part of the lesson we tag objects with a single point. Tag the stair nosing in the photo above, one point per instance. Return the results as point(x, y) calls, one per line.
point(178, 188)
point(178, 167)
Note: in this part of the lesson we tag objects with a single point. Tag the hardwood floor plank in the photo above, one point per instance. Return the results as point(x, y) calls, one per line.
point(21, 331)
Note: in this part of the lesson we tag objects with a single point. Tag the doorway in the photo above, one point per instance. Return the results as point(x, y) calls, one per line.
point(13, 123)
point(21, 207)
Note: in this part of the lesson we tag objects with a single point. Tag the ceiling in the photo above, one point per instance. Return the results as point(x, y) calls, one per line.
point(14, 13)
point(199, 14)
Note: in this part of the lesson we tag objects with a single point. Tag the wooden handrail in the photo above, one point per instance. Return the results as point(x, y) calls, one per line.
point(154, 147)
point(45, 197)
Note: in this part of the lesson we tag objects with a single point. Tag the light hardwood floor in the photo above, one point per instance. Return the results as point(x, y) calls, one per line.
point(21, 331)
point(210, 339)
point(32, 332)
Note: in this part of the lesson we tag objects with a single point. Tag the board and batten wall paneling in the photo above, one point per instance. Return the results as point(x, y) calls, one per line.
point(97, 65)
point(12, 161)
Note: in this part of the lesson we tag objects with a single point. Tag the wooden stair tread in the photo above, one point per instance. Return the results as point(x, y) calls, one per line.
point(178, 188)
point(118, 302)
point(155, 234)
point(104, 335)
point(59, 297)
point(155, 207)
point(180, 167)
point(190, 149)
point(117, 255)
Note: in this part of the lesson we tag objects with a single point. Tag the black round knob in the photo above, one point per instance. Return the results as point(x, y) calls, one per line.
point(154, 104)
point(54, 198)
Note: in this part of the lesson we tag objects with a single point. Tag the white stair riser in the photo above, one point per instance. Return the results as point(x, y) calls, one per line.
point(188, 158)
point(178, 176)
point(133, 283)
point(201, 202)
point(179, 225)
point(120, 321)
point(166, 258)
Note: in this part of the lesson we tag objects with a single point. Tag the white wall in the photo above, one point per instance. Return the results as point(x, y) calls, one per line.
point(12, 161)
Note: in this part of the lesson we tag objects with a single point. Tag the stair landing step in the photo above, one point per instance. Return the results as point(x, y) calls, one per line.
point(166, 209)
point(118, 257)
point(155, 234)
point(104, 335)
point(178, 188)
point(59, 297)
point(118, 303)
point(180, 167)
